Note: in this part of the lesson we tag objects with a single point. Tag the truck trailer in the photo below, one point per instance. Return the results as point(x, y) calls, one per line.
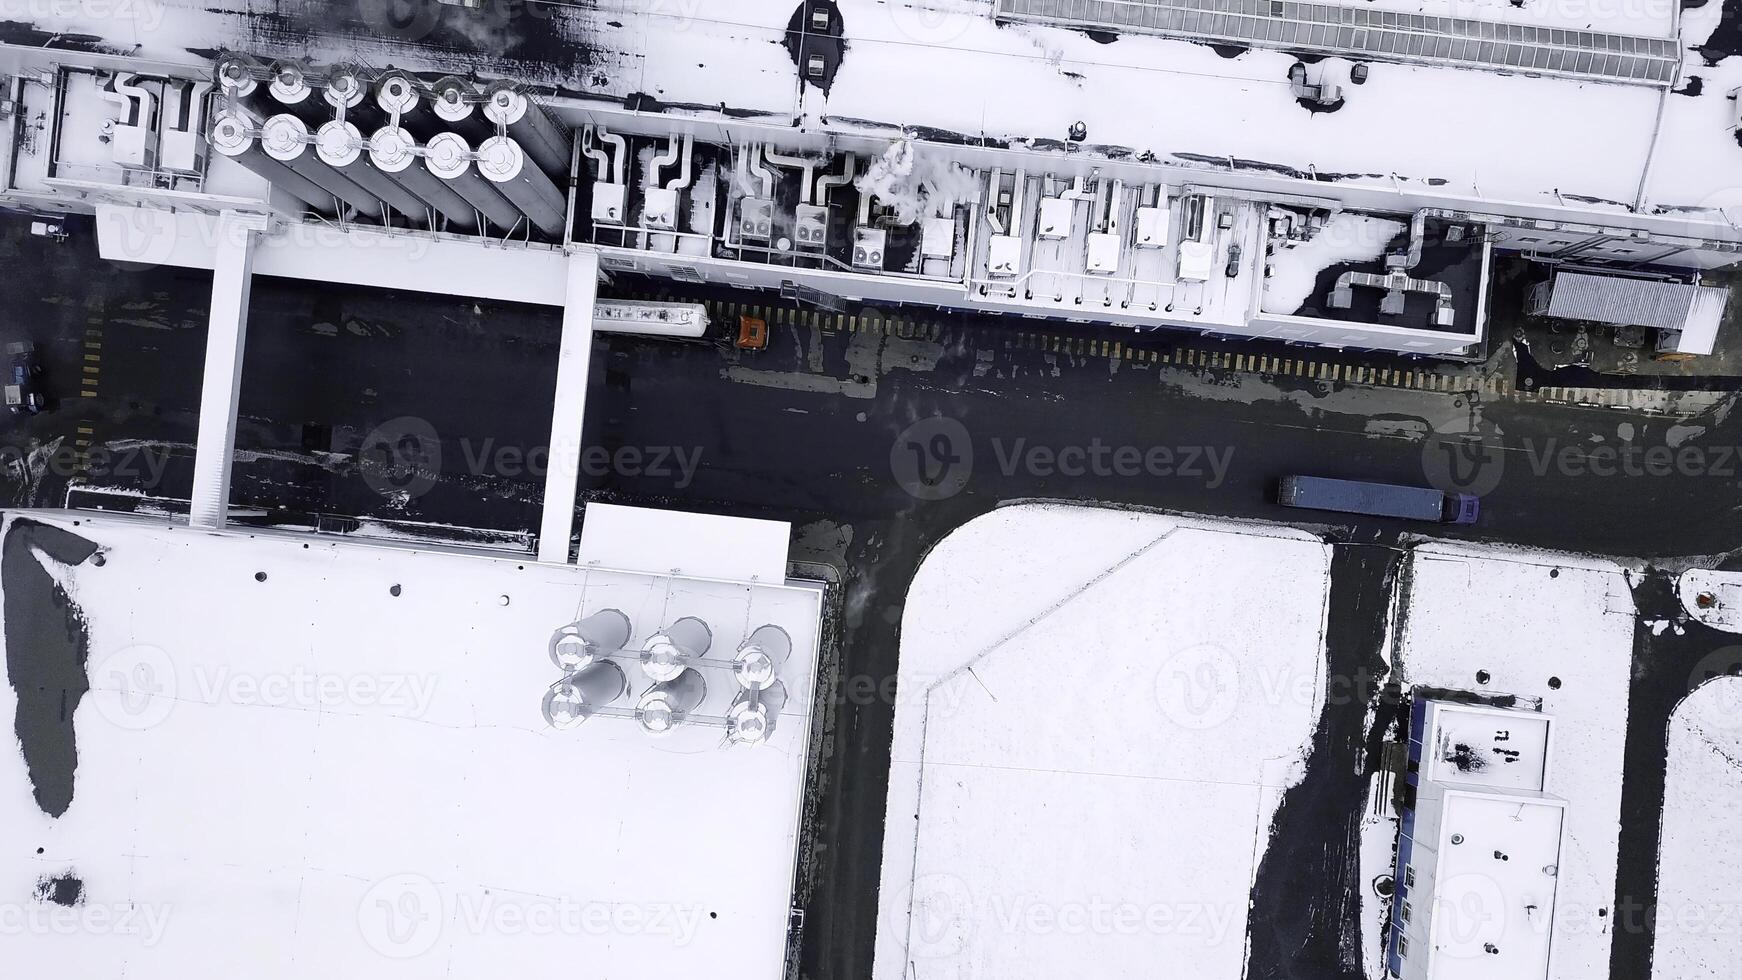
point(1377, 499)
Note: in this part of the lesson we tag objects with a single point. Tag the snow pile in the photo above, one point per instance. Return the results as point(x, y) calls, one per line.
point(1096, 692)
point(917, 186)
point(1700, 870)
point(1346, 237)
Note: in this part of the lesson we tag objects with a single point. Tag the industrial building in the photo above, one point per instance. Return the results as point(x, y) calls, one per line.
point(448, 173)
point(300, 755)
point(1479, 848)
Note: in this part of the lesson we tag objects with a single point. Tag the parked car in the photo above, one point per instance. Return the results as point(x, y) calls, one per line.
point(23, 396)
point(1378, 499)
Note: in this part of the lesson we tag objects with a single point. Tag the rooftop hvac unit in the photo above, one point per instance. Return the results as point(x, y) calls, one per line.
point(1104, 249)
point(584, 641)
point(1004, 256)
point(659, 208)
point(580, 695)
point(755, 218)
point(668, 652)
point(812, 229)
point(869, 247)
point(938, 239)
point(1055, 218)
point(1152, 226)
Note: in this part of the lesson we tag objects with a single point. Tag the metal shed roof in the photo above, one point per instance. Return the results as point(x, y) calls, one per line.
point(1694, 310)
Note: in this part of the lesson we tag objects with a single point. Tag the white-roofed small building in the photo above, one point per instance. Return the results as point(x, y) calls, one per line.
point(1479, 851)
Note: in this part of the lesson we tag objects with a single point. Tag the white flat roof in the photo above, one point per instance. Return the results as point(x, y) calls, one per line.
point(948, 66)
point(1471, 745)
point(1494, 891)
point(310, 776)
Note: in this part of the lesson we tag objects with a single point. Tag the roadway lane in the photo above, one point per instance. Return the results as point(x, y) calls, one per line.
point(848, 433)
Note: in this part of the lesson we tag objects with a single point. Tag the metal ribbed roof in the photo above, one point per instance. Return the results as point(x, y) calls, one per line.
point(1695, 310)
point(1367, 34)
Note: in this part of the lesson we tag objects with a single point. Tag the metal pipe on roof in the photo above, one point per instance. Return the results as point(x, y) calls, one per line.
point(448, 157)
point(504, 164)
point(829, 182)
point(543, 139)
point(286, 139)
point(394, 152)
point(341, 147)
point(233, 136)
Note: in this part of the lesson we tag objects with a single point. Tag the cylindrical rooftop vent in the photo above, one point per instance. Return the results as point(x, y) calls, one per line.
point(760, 658)
point(285, 139)
point(581, 642)
point(751, 718)
point(391, 149)
point(232, 137)
point(669, 651)
point(580, 695)
point(545, 140)
point(341, 147)
point(501, 161)
point(665, 705)
point(448, 157)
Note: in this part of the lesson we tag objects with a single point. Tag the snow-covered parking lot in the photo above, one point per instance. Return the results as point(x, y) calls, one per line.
point(1098, 714)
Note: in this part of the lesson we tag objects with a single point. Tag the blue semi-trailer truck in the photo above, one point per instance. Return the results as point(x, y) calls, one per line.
point(1377, 499)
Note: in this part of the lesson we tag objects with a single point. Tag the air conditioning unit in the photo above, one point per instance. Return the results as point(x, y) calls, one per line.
point(938, 241)
point(1055, 218)
point(1152, 227)
point(1104, 249)
point(659, 209)
point(609, 203)
point(756, 218)
point(812, 230)
point(1004, 260)
point(869, 245)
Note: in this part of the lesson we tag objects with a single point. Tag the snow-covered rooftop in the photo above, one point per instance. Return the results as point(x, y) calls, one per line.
point(1471, 745)
point(302, 757)
point(947, 66)
point(1495, 887)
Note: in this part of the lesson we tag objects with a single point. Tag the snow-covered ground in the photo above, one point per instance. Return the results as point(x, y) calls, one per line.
point(303, 758)
point(1698, 925)
point(1555, 630)
point(1098, 712)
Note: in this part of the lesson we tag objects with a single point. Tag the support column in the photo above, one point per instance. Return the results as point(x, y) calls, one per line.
point(226, 330)
point(574, 363)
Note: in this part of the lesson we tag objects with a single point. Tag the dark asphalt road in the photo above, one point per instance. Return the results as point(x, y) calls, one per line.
point(812, 431)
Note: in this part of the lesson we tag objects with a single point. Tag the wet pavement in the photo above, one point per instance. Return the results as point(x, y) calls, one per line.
point(837, 427)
